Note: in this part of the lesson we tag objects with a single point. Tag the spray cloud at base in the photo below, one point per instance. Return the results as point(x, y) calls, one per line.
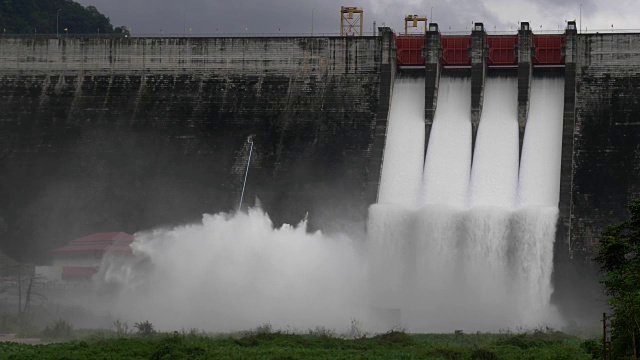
point(236, 271)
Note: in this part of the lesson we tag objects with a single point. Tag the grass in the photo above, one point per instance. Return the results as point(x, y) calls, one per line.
point(267, 344)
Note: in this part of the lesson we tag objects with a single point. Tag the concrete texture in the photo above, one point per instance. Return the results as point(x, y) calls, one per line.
point(129, 134)
point(432, 54)
point(600, 159)
point(479, 55)
point(606, 167)
point(525, 68)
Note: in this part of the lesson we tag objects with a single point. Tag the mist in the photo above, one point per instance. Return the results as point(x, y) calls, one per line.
point(235, 271)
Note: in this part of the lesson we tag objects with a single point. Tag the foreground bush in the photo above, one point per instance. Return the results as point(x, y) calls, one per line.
point(269, 344)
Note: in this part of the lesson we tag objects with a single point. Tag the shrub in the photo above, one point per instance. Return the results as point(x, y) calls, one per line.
point(397, 337)
point(145, 328)
point(60, 329)
point(483, 354)
point(592, 347)
point(121, 327)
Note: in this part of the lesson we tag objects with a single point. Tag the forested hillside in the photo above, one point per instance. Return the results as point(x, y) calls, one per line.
point(39, 16)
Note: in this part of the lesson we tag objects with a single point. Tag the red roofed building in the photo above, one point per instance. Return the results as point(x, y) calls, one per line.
point(80, 259)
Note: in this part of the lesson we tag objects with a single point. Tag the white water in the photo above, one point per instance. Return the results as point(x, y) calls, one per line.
point(540, 169)
point(403, 154)
point(481, 245)
point(538, 195)
point(494, 175)
point(390, 226)
point(450, 246)
point(449, 154)
point(235, 272)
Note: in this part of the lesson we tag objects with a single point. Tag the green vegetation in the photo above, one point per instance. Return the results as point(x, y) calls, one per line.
point(619, 256)
point(41, 16)
point(263, 343)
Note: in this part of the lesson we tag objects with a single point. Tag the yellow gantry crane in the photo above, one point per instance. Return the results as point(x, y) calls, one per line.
point(412, 21)
point(351, 18)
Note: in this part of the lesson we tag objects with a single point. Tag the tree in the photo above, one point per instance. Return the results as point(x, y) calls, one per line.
point(619, 258)
point(42, 17)
point(20, 283)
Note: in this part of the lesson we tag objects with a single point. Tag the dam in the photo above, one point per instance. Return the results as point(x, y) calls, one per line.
point(103, 134)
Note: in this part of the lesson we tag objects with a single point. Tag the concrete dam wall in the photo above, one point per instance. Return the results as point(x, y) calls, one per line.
point(133, 133)
point(128, 134)
point(606, 168)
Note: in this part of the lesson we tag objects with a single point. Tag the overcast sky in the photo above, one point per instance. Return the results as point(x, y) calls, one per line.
point(294, 16)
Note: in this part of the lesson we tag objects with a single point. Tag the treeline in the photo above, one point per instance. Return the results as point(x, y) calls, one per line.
point(39, 17)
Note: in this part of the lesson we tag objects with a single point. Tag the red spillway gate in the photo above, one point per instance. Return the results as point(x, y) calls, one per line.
point(455, 50)
point(549, 49)
point(502, 50)
point(409, 49)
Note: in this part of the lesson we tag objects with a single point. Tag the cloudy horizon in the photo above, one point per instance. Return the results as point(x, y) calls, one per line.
point(285, 16)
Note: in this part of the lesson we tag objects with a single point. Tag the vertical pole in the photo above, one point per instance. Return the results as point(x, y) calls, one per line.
point(604, 336)
point(312, 10)
point(246, 173)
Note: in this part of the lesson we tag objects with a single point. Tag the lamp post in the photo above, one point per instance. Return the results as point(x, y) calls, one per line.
point(312, 10)
point(57, 23)
point(246, 173)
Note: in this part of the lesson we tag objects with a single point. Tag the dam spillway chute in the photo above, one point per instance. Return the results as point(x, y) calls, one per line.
point(475, 251)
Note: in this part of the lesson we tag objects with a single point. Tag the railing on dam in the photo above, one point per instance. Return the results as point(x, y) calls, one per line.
point(178, 35)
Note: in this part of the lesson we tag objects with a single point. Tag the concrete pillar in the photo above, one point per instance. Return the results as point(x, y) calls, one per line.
point(387, 77)
point(478, 76)
point(525, 54)
point(563, 233)
point(432, 54)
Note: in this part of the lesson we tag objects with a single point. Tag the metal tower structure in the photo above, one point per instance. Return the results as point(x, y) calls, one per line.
point(351, 19)
point(412, 21)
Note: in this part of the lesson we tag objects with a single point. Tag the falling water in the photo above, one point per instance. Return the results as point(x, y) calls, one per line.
point(403, 155)
point(390, 226)
point(446, 174)
point(538, 195)
point(494, 175)
point(481, 245)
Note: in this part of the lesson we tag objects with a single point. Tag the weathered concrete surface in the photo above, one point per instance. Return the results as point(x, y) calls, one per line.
point(128, 134)
point(479, 55)
point(525, 68)
point(432, 54)
point(606, 170)
point(600, 158)
point(563, 237)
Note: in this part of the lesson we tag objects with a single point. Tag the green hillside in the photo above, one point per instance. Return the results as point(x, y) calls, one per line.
point(39, 16)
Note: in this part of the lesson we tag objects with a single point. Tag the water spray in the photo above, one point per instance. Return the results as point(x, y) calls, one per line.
point(246, 173)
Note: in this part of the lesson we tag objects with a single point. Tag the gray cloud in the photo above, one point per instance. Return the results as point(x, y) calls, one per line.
point(290, 16)
point(223, 16)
